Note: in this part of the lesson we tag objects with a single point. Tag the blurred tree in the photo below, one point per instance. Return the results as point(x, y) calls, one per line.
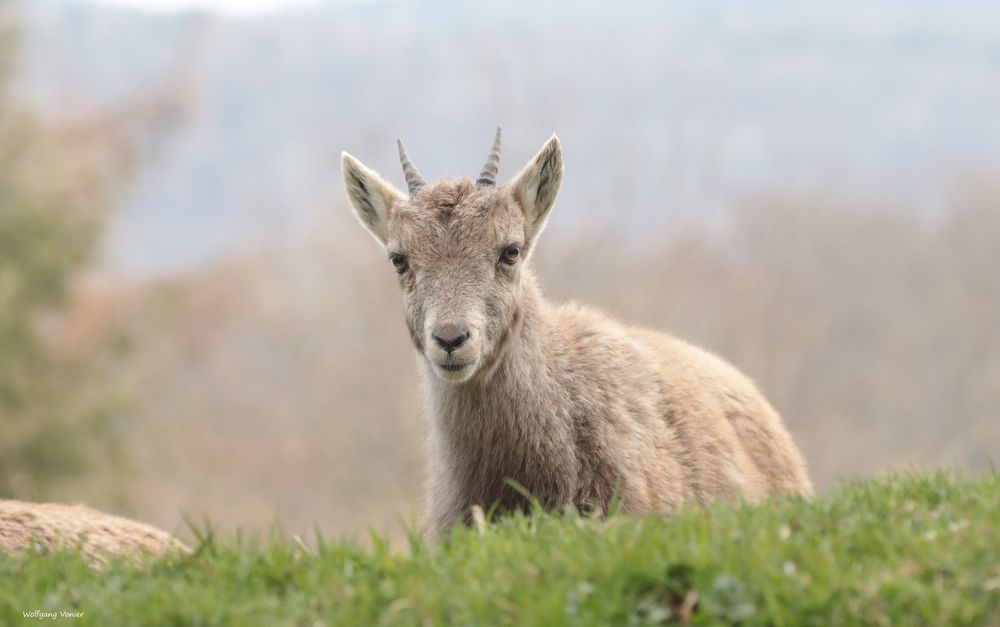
point(46, 235)
point(58, 183)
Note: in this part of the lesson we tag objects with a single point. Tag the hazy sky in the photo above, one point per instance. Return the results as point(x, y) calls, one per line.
point(240, 7)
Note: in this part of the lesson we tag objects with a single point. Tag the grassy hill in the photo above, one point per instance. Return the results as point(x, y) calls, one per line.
point(919, 550)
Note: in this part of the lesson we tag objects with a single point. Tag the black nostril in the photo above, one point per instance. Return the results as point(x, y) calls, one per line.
point(450, 345)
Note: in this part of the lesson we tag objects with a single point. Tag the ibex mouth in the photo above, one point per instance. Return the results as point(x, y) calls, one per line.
point(452, 370)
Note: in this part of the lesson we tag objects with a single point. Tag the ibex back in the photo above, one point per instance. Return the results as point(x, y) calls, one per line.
point(565, 401)
point(99, 536)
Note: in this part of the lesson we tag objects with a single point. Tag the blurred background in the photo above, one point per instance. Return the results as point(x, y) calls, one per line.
point(191, 321)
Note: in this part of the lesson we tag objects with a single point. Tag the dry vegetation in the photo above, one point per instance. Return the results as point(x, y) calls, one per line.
point(871, 329)
point(280, 383)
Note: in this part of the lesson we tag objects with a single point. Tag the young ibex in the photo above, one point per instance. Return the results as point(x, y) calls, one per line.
point(563, 400)
point(100, 537)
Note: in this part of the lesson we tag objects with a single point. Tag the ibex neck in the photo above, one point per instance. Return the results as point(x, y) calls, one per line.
point(505, 422)
point(520, 354)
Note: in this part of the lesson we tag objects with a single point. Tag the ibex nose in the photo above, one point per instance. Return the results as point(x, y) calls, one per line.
point(450, 336)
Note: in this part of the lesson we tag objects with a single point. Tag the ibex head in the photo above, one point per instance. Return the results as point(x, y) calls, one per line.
point(460, 249)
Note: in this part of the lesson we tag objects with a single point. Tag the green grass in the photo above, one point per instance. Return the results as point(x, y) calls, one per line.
point(919, 550)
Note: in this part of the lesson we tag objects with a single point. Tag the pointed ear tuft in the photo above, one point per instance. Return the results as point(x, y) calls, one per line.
point(371, 197)
point(536, 187)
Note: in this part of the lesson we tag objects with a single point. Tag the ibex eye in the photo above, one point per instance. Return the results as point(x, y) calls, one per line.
point(509, 255)
point(399, 262)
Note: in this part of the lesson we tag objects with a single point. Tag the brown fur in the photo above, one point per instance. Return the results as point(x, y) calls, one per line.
point(562, 399)
point(50, 526)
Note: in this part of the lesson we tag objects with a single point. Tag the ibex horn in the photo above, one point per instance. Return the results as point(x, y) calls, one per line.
point(488, 177)
point(413, 178)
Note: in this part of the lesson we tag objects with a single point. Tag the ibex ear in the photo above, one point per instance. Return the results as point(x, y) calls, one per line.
point(536, 187)
point(371, 197)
